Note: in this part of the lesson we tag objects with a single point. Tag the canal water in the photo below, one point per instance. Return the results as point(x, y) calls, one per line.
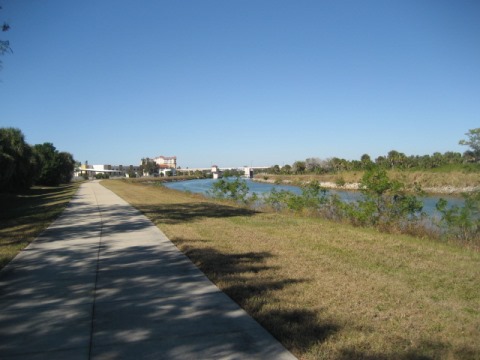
point(202, 186)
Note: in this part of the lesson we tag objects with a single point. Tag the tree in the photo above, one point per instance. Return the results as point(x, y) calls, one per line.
point(287, 169)
point(381, 161)
point(21, 165)
point(313, 164)
point(45, 164)
point(299, 167)
point(473, 141)
point(230, 189)
point(65, 165)
point(275, 169)
point(436, 160)
point(396, 159)
point(53, 167)
point(366, 161)
point(149, 166)
point(469, 156)
point(451, 157)
point(15, 161)
point(131, 172)
point(338, 164)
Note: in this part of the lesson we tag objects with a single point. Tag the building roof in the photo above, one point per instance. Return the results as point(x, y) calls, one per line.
point(166, 157)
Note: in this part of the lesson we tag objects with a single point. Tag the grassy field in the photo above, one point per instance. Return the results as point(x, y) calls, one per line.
point(327, 291)
point(24, 216)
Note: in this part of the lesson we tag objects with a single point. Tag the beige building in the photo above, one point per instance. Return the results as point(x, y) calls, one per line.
point(166, 162)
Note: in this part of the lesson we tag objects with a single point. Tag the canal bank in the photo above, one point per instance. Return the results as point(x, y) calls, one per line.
point(261, 188)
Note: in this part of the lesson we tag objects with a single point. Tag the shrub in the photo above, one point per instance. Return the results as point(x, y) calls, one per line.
point(461, 222)
point(313, 196)
point(340, 182)
point(384, 203)
point(230, 189)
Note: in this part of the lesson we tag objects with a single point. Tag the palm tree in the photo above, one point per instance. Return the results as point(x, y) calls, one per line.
point(15, 161)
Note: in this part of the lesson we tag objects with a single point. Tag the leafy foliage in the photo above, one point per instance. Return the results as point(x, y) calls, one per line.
point(16, 170)
point(149, 167)
point(462, 222)
point(384, 202)
point(474, 142)
point(313, 196)
point(54, 167)
point(230, 189)
point(102, 176)
point(22, 165)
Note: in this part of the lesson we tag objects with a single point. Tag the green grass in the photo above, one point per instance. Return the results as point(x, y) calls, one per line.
point(24, 216)
point(327, 290)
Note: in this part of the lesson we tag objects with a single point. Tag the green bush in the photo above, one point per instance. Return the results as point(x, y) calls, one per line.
point(230, 189)
point(340, 181)
point(385, 202)
point(313, 196)
point(461, 222)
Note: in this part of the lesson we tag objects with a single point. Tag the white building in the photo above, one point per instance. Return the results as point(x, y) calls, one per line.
point(111, 170)
point(216, 172)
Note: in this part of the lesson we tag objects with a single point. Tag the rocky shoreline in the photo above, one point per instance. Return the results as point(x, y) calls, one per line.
point(447, 190)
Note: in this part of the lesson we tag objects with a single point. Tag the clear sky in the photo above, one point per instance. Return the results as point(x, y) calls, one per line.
point(241, 82)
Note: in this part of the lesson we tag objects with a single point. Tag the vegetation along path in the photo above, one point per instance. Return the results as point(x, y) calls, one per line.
point(327, 290)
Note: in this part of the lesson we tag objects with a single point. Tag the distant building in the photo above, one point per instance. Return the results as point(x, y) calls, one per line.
point(168, 172)
point(111, 170)
point(166, 162)
point(248, 172)
point(216, 172)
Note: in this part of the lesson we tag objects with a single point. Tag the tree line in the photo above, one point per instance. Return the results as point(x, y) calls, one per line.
point(23, 165)
point(393, 160)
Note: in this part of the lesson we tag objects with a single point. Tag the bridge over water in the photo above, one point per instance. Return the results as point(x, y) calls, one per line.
point(241, 168)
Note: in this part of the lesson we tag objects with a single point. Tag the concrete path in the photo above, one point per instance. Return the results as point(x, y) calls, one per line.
point(104, 283)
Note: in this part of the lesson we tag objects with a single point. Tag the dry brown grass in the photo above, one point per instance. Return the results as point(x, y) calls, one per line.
point(327, 291)
point(24, 216)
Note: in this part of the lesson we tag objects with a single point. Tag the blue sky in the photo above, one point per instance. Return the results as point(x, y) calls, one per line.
point(241, 82)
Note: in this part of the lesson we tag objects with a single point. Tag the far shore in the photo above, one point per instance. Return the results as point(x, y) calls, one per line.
point(446, 190)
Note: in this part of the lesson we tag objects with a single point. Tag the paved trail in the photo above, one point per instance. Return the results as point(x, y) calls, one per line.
point(104, 283)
